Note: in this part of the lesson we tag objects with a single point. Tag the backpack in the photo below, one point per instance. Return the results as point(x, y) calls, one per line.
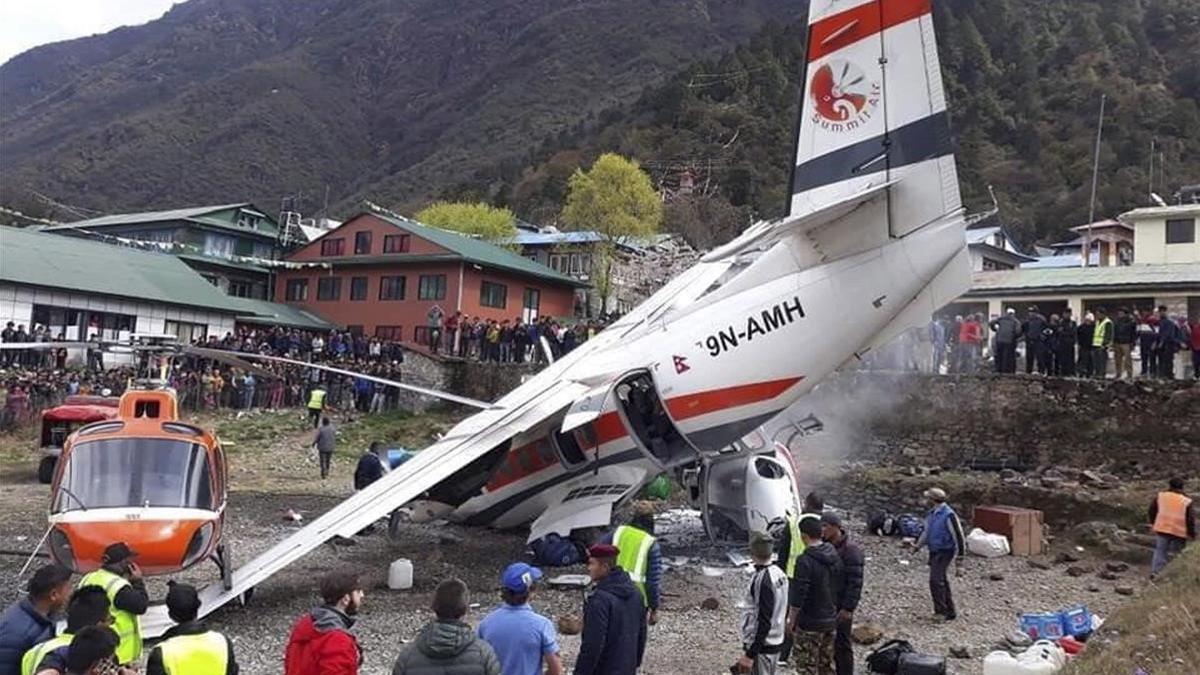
point(909, 525)
point(553, 550)
point(914, 663)
point(886, 658)
point(881, 523)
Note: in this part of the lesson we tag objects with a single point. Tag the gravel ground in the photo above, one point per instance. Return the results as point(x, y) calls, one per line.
point(686, 640)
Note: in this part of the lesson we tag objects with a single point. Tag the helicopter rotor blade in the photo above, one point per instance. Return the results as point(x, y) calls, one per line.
point(230, 359)
point(52, 345)
point(208, 353)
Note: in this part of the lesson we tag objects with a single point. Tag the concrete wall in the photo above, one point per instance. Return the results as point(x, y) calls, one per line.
point(1150, 244)
point(913, 419)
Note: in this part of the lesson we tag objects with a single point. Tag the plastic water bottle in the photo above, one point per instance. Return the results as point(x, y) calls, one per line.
point(400, 575)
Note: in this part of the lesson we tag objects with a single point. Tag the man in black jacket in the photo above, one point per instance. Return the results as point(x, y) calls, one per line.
point(614, 619)
point(1124, 335)
point(190, 642)
point(1033, 330)
point(813, 601)
point(849, 589)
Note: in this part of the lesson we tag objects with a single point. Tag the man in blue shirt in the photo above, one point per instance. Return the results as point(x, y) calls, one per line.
point(521, 638)
point(943, 535)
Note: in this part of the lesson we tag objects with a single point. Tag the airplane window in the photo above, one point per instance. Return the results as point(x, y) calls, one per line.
point(568, 446)
point(120, 472)
point(768, 469)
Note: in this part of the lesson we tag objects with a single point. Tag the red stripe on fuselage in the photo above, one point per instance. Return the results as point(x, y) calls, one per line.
point(863, 21)
point(704, 402)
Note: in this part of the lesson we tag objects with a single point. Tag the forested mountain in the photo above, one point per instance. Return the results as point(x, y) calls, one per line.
point(399, 102)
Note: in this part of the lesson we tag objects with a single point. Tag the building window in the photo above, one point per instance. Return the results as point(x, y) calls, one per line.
point(533, 298)
point(362, 243)
point(211, 279)
point(1181, 231)
point(219, 246)
point(297, 290)
point(355, 329)
point(432, 287)
point(395, 243)
point(391, 288)
point(333, 247)
point(187, 332)
point(493, 295)
point(240, 289)
point(390, 333)
point(329, 288)
point(249, 220)
point(559, 262)
point(358, 288)
point(421, 335)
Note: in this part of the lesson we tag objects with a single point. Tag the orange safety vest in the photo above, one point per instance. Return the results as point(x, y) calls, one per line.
point(1172, 514)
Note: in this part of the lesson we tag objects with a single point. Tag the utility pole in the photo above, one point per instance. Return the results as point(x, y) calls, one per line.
point(1150, 180)
point(1087, 241)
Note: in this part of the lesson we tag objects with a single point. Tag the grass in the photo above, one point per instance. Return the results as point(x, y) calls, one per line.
point(1156, 631)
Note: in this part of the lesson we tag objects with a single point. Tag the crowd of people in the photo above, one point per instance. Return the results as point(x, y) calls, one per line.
point(1056, 345)
point(504, 341)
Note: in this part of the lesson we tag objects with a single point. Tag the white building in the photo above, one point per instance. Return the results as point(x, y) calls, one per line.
point(1164, 234)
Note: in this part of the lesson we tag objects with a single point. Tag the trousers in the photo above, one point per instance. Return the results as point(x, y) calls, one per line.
point(1166, 547)
point(1123, 355)
point(326, 458)
point(939, 583)
point(843, 649)
point(812, 653)
point(1100, 362)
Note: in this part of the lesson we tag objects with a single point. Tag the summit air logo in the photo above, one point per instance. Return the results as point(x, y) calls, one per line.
point(843, 98)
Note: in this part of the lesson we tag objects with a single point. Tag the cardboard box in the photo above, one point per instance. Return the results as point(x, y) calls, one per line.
point(1022, 526)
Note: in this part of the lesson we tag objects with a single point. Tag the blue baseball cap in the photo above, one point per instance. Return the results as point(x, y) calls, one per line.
point(519, 576)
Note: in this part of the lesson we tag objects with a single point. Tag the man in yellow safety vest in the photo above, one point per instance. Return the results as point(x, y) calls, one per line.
point(316, 404)
point(1173, 518)
point(190, 648)
point(641, 557)
point(121, 579)
point(1102, 338)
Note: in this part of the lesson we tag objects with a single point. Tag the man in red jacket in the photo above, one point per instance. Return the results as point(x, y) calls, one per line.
point(321, 642)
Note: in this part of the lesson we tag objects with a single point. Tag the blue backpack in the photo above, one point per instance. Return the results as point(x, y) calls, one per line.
point(909, 525)
point(553, 550)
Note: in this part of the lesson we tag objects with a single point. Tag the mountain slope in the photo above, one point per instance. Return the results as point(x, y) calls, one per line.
point(262, 98)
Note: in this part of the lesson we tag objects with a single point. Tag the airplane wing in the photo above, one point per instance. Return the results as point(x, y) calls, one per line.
point(467, 442)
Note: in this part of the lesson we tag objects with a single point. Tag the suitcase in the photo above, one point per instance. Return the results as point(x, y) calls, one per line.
point(916, 663)
point(886, 658)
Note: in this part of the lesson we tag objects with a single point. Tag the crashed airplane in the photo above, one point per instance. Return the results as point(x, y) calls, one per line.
point(872, 245)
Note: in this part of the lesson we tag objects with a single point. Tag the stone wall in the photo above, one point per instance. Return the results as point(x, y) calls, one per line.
point(1145, 427)
point(482, 381)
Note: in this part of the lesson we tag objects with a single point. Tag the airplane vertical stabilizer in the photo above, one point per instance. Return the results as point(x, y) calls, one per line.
point(874, 111)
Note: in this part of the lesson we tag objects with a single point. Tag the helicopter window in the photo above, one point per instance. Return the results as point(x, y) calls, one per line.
point(177, 428)
point(136, 472)
point(101, 428)
point(146, 409)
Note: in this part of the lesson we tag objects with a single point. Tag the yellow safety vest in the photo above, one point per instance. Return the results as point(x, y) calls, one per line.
point(1103, 327)
point(126, 624)
point(316, 399)
point(203, 654)
point(1172, 514)
point(634, 555)
point(796, 548)
point(33, 657)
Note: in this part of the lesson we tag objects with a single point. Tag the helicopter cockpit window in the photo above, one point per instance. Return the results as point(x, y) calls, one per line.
point(136, 472)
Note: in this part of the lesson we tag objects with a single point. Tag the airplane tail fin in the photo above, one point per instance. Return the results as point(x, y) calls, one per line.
point(874, 112)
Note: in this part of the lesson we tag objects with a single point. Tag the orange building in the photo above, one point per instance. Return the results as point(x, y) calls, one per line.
point(386, 273)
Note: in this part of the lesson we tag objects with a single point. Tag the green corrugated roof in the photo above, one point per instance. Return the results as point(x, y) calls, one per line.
point(1085, 278)
point(73, 264)
point(277, 314)
point(196, 214)
point(221, 262)
point(477, 251)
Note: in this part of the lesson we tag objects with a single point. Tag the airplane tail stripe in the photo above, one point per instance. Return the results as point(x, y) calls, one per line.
point(926, 138)
point(840, 30)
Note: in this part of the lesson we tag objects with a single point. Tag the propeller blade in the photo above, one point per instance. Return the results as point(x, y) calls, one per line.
point(482, 405)
point(230, 359)
point(52, 345)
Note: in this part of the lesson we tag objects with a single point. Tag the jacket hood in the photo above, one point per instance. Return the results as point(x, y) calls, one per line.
point(618, 583)
point(326, 618)
point(823, 552)
point(444, 639)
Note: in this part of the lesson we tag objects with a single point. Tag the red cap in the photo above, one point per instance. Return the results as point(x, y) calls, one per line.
point(603, 551)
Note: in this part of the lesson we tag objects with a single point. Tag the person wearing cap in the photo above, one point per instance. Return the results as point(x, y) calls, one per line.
point(849, 590)
point(522, 639)
point(190, 648)
point(1173, 519)
point(447, 645)
point(88, 607)
point(789, 546)
point(764, 617)
point(943, 534)
point(614, 618)
point(813, 602)
point(321, 642)
point(641, 557)
point(121, 579)
point(1007, 330)
point(30, 620)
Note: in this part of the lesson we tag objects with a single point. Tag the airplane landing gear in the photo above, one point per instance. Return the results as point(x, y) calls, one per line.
point(224, 561)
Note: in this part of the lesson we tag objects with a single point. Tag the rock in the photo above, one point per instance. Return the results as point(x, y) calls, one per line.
point(449, 539)
point(960, 652)
point(1018, 638)
point(866, 633)
point(710, 604)
point(1006, 474)
point(996, 576)
point(1124, 590)
point(1065, 557)
point(569, 624)
point(1108, 576)
point(1093, 588)
point(1038, 563)
point(1091, 478)
point(1116, 567)
point(1051, 482)
point(1078, 570)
